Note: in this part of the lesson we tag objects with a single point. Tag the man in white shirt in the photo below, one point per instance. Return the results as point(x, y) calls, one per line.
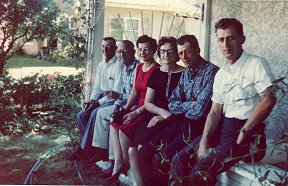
point(243, 97)
point(126, 54)
point(107, 89)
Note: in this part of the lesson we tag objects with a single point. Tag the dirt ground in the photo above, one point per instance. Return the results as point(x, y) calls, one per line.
point(20, 153)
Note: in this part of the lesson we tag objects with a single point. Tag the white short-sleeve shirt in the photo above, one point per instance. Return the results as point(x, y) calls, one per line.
point(108, 77)
point(238, 87)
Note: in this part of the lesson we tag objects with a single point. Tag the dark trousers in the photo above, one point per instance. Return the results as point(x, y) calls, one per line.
point(156, 155)
point(191, 171)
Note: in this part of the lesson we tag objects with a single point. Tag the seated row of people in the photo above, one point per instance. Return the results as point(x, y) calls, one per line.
point(170, 124)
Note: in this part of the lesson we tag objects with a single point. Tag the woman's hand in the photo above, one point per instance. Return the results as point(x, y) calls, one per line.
point(130, 117)
point(154, 121)
point(165, 115)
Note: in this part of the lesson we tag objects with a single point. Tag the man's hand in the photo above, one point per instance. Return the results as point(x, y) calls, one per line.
point(202, 150)
point(243, 138)
point(112, 94)
point(193, 103)
point(90, 106)
point(116, 108)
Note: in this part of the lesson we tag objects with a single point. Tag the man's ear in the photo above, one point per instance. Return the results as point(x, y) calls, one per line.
point(198, 50)
point(243, 39)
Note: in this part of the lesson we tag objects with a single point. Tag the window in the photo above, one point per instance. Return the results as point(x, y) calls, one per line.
point(120, 28)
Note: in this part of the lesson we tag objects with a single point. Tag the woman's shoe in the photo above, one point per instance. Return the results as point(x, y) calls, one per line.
point(107, 173)
point(122, 170)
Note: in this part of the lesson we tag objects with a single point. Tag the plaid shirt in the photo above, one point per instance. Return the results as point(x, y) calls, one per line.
point(127, 83)
point(194, 86)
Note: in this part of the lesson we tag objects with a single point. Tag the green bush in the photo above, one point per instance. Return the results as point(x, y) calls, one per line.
point(38, 103)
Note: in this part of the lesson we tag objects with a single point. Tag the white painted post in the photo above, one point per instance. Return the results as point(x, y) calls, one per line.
point(94, 39)
point(205, 26)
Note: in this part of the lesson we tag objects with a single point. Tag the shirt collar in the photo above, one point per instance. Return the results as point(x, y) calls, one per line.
point(112, 60)
point(239, 63)
point(197, 69)
point(132, 66)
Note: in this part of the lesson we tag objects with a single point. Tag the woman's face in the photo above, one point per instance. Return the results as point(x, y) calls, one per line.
point(145, 52)
point(168, 53)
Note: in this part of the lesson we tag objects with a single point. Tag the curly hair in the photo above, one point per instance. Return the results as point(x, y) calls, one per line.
point(147, 39)
point(171, 40)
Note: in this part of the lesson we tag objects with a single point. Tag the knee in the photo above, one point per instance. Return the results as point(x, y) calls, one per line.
point(80, 114)
point(122, 136)
point(132, 152)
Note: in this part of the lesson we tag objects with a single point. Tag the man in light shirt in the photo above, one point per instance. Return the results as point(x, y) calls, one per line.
point(243, 97)
point(126, 54)
point(106, 90)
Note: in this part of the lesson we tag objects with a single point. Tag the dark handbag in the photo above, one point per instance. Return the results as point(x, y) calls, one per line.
point(117, 117)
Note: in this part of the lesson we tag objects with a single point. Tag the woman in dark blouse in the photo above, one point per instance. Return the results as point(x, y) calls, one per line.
point(160, 85)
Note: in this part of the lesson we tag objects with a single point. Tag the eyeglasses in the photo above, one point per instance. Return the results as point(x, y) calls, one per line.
point(143, 49)
point(122, 51)
point(169, 51)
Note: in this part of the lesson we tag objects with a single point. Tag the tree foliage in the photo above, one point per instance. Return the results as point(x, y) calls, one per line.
point(23, 21)
point(74, 30)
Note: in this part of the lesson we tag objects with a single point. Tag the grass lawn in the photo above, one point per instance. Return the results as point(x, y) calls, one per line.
point(20, 153)
point(25, 61)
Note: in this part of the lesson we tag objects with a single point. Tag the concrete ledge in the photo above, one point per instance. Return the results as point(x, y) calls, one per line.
point(238, 175)
point(250, 174)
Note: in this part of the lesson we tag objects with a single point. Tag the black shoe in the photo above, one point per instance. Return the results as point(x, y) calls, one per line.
point(75, 155)
point(122, 170)
point(94, 155)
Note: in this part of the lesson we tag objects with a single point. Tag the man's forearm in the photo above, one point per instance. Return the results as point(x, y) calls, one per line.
point(111, 94)
point(212, 122)
point(261, 111)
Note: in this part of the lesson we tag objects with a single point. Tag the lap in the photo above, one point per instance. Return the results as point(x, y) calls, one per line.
point(142, 133)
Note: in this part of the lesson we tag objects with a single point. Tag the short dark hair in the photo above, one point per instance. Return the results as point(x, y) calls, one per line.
point(147, 39)
point(110, 38)
point(163, 40)
point(226, 22)
point(129, 44)
point(188, 38)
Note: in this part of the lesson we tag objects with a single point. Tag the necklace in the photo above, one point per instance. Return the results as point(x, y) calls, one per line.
point(145, 69)
point(168, 84)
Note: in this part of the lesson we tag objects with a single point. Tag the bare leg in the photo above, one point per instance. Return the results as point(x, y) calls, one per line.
point(134, 163)
point(114, 136)
point(125, 142)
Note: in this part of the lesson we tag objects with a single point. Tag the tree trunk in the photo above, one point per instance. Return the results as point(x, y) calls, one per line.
point(2, 63)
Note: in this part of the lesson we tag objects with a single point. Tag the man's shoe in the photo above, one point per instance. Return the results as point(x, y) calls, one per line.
point(75, 155)
point(95, 158)
point(94, 155)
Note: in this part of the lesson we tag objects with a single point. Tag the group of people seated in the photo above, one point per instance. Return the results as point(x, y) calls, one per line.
point(174, 125)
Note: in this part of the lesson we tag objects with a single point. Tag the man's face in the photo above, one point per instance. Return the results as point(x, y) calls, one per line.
point(189, 55)
point(125, 54)
point(108, 49)
point(230, 43)
point(145, 52)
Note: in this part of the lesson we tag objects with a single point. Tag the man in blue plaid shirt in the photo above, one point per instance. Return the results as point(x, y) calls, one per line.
point(126, 54)
point(189, 104)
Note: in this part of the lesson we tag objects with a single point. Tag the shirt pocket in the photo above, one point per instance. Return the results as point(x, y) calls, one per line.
point(111, 79)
